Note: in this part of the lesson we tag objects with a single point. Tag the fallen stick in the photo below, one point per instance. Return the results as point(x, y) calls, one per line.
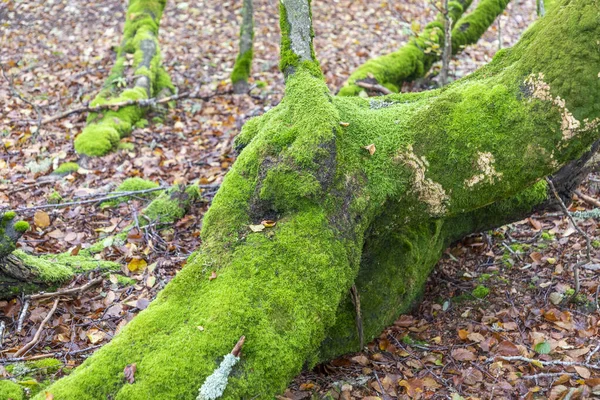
point(37, 335)
point(546, 363)
point(376, 87)
point(49, 355)
point(587, 199)
point(67, 292)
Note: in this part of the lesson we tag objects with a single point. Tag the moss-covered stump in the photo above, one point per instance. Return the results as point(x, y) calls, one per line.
point(377, 217)
point(137, 75)
point(414, 59)
point(9, 390)
point(23, 273)
point(243, 63)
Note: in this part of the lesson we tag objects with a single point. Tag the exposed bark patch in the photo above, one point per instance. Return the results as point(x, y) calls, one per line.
point(570, 126)
point(261, 209)
point(429, 192)
point(488, 173)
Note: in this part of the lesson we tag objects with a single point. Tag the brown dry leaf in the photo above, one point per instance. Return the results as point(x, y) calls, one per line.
point(557, 392)
point(256, 228)
point(268, 223)
point(535, 224)
point(362, 360)
point(463, 355)
point(475, 337)
point(463, 334)
point(370, 148)
point(137, 264)
point(95, 335)
point(41, 219)
point(49, 396)
point(536, 257)
point(344, 124)
point(506, 348)
point(414, 387)
point(472, 376)
point(510, 326)
point(212, 276)
point(129, 372)
point(384, 344)
point(583, 371)
point(431, 383)
point(307, 386)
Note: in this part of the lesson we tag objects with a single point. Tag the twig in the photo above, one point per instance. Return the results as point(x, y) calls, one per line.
point(38, 333)
point(237, 349)
point(589, 356)
point(376, 87)
point(67, 292)
point(546, 375)
point(18, 95)
point(152, 102)
point(112, 196)
point(2, 326)
point(581, 232)
point(359, 326)
point(546, 363)
point(48, 355)
point(587, 199)
point(22, 316)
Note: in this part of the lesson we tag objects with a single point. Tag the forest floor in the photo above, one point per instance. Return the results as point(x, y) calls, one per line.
point(503, 294)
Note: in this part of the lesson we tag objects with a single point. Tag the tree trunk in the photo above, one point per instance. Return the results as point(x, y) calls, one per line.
point(364, 192)
point(414, 60)
point(243, 63)
point(144, 79)
point(23, 273)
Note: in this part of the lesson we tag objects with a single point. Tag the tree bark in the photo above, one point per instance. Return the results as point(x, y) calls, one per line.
point(440, 165)
point(414, 60)
point(144, 79)
point(243, 63)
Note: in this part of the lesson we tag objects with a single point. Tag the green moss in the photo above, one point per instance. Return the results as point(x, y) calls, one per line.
point(171, 205)
point(66, 168)
point(242, 66)
point(133, 185)
point(125, 281)
point(9, 215)
point(10, 390)
point(21, 226)
point(480, 292)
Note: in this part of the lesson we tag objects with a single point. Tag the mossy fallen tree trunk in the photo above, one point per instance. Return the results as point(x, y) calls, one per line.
point(243, 63)
point(24, 273)
point(413, 60)
point(445, 163)
point(136, 75)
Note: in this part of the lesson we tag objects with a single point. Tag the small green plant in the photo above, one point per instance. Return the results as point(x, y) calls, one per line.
point(480, 292)
point(547, 236)
point(596, 244)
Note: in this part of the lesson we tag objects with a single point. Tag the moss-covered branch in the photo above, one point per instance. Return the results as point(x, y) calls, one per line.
point(21, 272)
point(345, 216)
point(137, 74)
point(414, 59)
point(243, 63)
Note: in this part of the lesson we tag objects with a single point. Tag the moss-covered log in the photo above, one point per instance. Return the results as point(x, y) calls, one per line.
point(243, 63)
point(345, 216)
point(414, 59)
point(136, 75)
point(23, 273)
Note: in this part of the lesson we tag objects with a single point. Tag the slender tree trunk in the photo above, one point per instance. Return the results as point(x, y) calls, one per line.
point(414, 60)
point(140, 78)
point(447, 53)
point(243, 63)
point(363, 192)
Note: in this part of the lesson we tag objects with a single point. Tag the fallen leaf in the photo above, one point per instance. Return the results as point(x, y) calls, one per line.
point(129, 372)
point(49, 396)
point(95, 335)
point(414, 387)
point(370, 148)
point(463, 355)
point(41, 219)
point(506, 348)
point(137, 264)
point(268, 223)
point(212, 276)
point(257, 228)
point(475, 337)
point(362, 360)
